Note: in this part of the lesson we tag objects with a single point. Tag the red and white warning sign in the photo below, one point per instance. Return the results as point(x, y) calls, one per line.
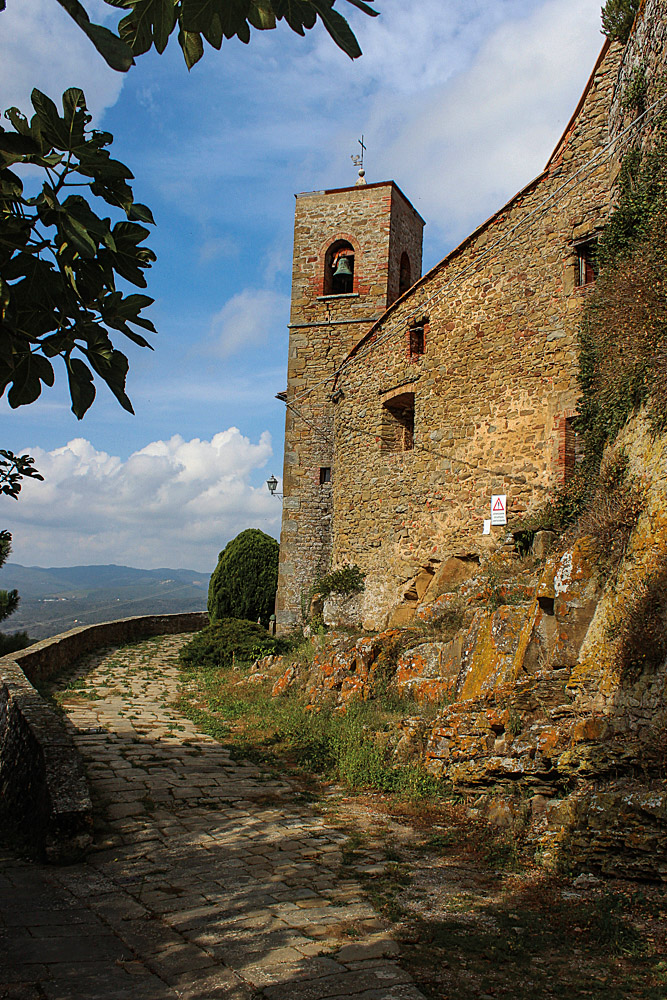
point(499, 508)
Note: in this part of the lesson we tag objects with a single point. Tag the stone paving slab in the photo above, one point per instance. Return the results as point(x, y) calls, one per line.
point(207, 881)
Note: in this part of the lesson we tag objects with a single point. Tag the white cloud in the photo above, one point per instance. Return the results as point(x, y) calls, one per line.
point(173, 503)
point(460, 102)
point(217, 246)
point(478, 138)
point(41, 46)
point(247, 320)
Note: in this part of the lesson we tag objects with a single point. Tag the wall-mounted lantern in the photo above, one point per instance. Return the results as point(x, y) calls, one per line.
point(272, 484)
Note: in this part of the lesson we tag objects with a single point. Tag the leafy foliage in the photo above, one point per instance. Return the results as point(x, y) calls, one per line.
point(617, 19)
point(223, 643)
point(9, 602)
point(564, 507)
point(9, 599)
point(14, 468)
point(634, 98)
point(345, 581)
point(623, 338)
point(244, 582)
point(151, 23)
point(638, 628)
point(12, 643)
point(59, 261)
point(352, 747)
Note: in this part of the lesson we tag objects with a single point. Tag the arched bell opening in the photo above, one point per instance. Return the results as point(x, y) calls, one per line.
point(339, 268)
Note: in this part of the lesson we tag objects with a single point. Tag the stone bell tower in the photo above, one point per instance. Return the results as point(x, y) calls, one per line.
point(356, 250)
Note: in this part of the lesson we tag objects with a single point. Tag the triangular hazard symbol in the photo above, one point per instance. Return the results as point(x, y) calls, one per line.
point(498, 505)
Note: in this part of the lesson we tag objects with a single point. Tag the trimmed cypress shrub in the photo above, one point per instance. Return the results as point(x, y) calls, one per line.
point(244, 582)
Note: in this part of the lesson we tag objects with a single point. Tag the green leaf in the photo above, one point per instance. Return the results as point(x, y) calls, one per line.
point(136, 32)
point(50, 311)
point(26, 386)
point(297, 13)
point(18, 120)
point(73, 101)
point(338, 28)
point(45, 108)
point(11, 186)
point(130, 259)
point(163, 24)
point(17, 145)
point(81, 388)
point(364, 6)
point(114, 372)
point(78, 236)
point(192, 46)
point(261, 15)
point(48, 122)
point(141, 213)
point(150, 21)
point(113, 50)
point(131, 304)
point(213, 32)
point(43, 369)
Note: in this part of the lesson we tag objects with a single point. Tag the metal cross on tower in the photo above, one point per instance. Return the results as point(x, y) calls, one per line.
point(358, 161)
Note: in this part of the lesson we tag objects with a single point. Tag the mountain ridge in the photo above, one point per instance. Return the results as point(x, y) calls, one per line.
point(55, 599)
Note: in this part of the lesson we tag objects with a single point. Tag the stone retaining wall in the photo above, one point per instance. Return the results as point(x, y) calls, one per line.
point(45, 804)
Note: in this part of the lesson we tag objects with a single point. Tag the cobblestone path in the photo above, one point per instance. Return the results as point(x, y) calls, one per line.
point(208, 880)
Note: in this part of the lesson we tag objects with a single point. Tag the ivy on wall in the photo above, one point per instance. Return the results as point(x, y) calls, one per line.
point(623, 337)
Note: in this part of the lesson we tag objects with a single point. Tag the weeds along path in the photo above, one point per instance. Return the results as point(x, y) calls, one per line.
point(208, 879)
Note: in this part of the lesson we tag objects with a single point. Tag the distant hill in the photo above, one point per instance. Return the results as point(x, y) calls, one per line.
point(55, 600)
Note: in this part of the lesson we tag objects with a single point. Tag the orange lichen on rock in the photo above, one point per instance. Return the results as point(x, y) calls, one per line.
point(493, 651)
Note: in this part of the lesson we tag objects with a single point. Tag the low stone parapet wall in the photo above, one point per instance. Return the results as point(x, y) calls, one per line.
point(45, 803)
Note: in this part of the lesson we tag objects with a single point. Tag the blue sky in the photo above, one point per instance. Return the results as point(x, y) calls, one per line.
point(460, 102)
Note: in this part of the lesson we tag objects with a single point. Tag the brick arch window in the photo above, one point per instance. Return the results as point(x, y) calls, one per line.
point(339, 268)
point(405, 274)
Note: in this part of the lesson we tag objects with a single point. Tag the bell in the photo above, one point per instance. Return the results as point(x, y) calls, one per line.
point(343, 269)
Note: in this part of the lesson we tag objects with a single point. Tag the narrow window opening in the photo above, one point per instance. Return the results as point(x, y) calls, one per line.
point(570, 449)
point(405, 275)
point(417, 341)
point(398, 423)
point(325, 475)
point(586, 264)
point(339, 269)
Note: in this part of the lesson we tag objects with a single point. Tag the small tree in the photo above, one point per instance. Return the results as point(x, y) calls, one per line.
point(9, 602)
point(618, 17)
point(244, 582)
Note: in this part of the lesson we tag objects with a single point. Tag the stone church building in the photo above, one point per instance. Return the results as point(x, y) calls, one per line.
point(412, 399)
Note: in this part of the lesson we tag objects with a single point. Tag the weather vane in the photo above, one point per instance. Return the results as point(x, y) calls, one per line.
point(358, 161)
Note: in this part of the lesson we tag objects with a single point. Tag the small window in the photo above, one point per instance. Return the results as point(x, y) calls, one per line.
point(325, 475)
point(416, 347)
point(570, 448)
point(398, 423)
point(405, 277)
point(586, 265)
point(339, 269)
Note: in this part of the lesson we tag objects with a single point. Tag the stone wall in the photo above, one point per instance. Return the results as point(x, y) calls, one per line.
point(539, 723)
point(380, 225)
point(645, 50)
point(494, 387)
point(45, 804)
